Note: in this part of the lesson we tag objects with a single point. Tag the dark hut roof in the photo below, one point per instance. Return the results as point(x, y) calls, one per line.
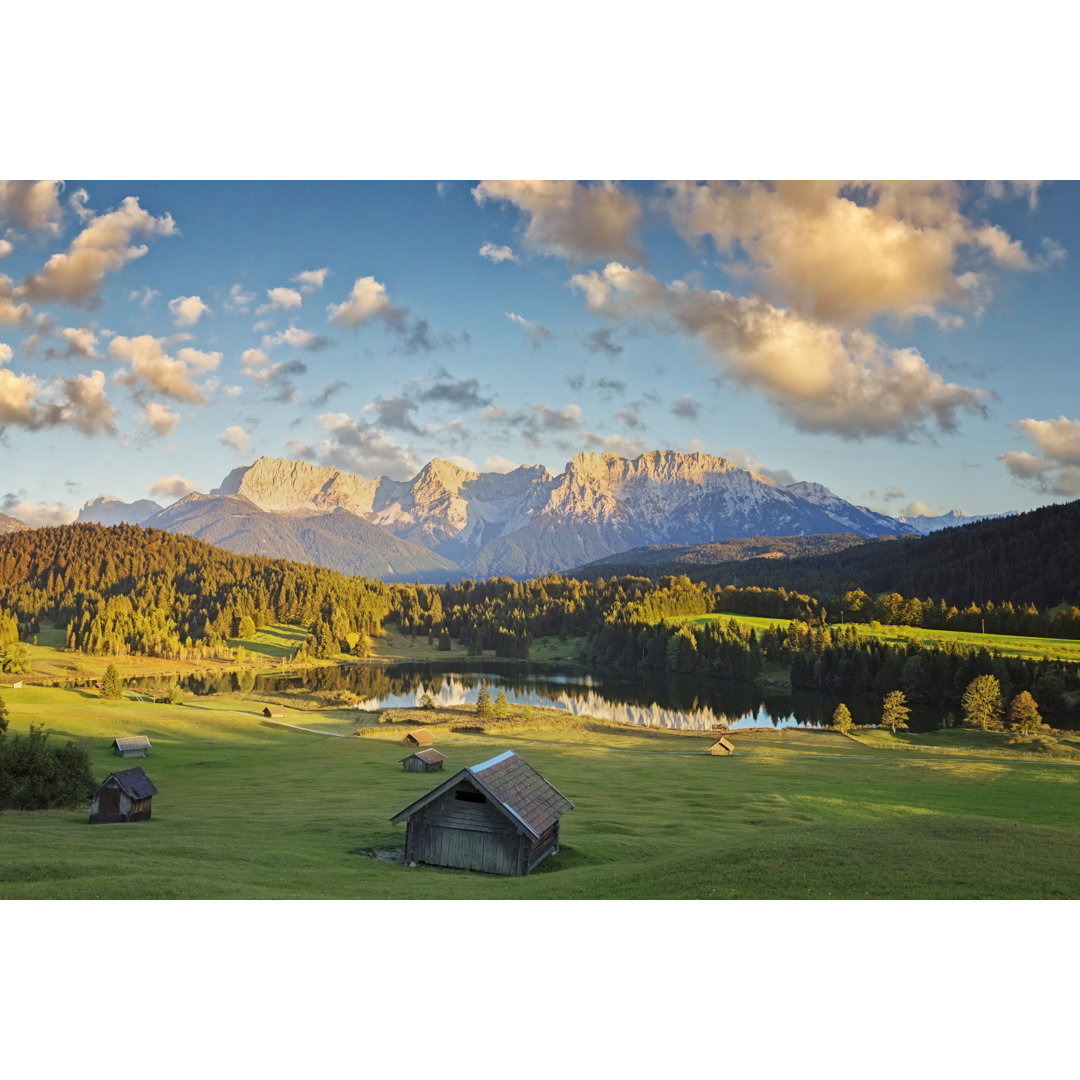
point(512, 784)
point(132, 742)
point(135, 782)
point(430, 755)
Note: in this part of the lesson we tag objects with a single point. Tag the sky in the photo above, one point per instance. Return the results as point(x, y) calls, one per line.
point(907, 344)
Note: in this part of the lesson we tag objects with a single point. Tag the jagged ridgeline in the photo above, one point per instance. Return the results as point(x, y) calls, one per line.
point(1024, 558)
point(125, 589)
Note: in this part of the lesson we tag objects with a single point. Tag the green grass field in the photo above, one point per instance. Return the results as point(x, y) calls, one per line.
point(1032, 648)
point(250, 808)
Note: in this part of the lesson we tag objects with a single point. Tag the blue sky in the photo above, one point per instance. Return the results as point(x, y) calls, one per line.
point(906, 344)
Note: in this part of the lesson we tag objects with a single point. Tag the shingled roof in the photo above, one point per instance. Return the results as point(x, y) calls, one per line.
point(510, 783)
point(431, 756)
point(132, 742)
point(135, 782)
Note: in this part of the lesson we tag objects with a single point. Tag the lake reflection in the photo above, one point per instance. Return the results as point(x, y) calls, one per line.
point(628, 697)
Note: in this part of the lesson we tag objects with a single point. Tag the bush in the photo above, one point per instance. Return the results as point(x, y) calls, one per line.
point(36, 776)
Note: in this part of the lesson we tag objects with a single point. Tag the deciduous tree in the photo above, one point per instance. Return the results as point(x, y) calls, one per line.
point(1024, 713)
point(982, 703)
point(894, 711)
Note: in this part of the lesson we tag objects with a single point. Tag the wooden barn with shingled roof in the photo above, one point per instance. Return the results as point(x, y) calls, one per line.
point(500, 817)
point(131, 746)
point(274, 712)
point(723, 748)
point(124, 796)
point(429, 760)
point(419, 737)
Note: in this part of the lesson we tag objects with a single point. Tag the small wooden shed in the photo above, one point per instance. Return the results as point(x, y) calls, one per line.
point(429, 760)
point(124, 796)
point(723, 748)
point(275, 712)
point(500, 817)
point(419, 737)
point(131, 746)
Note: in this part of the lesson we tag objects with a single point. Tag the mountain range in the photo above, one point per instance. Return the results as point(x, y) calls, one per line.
point(448, 522)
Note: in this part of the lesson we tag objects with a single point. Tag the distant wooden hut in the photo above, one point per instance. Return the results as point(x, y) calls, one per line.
point(131, 746)
point(124, 796)
point(17, 685)
point(275, 712)
point(500, 817)
point(419, 737)
point(723, 748)
point(429, 760)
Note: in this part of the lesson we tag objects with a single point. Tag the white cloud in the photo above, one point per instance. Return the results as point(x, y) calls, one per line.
point(143, 296)
point(161, 373)
point(742, 459)
point(281, 299)
point(310, 280)
point(296, 338)
point(160, 419)
point(498, 464)
point(238, 300)
point(187, 310)
point(105, 244)
point(175, 486)
point(368, 300)
point(822, 379)
point(1056, 469)
point(536, 333)
point(33, 204)
point(235, 437)
point(918, 509)
point(38, 514)
point(614, 444)
point(363, 448)
point(575, 221)
point(80, 342)
point(10, 312)
point(845, 253)
point(498, 254)
point(6, 248)
point(78, 401)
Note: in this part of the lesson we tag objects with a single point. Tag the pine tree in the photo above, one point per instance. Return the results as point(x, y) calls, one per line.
point(110, 684)
point(841, 719)
point(483, 700)
point(502, 706)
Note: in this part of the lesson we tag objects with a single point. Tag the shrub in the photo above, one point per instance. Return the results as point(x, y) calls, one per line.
point(841, 719)
point(36, 776)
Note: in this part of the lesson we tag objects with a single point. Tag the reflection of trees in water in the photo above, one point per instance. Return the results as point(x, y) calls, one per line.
point(653, 699)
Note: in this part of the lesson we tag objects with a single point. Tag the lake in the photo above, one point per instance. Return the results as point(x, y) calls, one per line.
point(653, 700)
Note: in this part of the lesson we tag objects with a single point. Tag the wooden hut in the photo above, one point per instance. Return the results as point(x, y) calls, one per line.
point(131, 746)
point(501, 817)
point(124, 796)
point(275, 712)
point(419, 737)
point(723, 748)
point(429, 760)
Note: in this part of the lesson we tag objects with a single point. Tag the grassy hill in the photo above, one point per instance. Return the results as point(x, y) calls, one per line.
point(258, 809)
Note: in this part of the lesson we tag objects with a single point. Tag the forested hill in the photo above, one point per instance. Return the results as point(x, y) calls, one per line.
point(681, 557)
point(123, 588)
point(1025, 558)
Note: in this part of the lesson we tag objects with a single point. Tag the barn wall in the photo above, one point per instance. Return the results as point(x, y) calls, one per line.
point(463, 834)
point(539, 850)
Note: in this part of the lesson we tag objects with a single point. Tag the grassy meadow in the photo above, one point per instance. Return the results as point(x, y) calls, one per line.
point(1030, 648)
point(251, 808)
